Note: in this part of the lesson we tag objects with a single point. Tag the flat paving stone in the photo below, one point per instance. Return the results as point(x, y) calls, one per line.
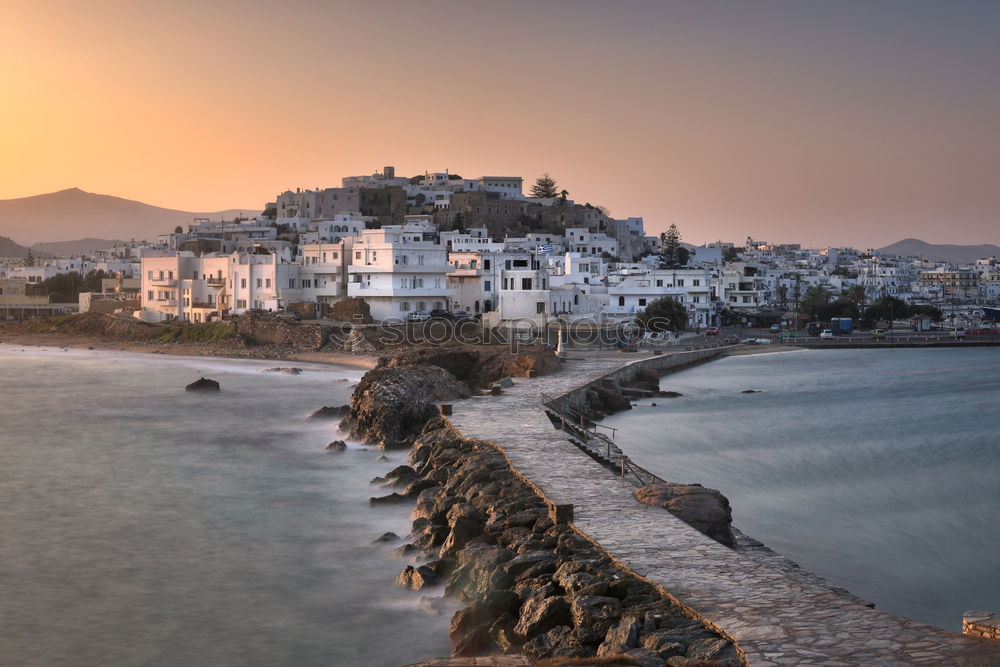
point(773, 616)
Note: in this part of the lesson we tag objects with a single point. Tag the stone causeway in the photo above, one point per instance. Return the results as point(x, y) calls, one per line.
point(774, 615)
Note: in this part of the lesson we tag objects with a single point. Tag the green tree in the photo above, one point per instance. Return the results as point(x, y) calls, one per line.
point(178, 230)
point(672, 253)
point(545, 187)
point(886, 309)
point(563, 194)
point(925, 310)
point(815, 302)
point(664, 314)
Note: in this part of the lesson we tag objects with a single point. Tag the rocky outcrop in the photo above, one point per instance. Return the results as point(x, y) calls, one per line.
point(203, 384)
point(477, 366)
point(706, 510)
point(530, 585)
point(390, 406)
point(393, 401)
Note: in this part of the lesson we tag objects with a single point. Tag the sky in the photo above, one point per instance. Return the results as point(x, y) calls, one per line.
point(841, 122)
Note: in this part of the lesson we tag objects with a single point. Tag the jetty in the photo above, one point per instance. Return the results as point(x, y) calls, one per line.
point(775, 615)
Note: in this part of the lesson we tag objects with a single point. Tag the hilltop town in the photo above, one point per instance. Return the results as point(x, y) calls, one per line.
point(388, 248)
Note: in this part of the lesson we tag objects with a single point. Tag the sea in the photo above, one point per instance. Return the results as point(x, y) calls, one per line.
point(878, 469)
point(144, 525)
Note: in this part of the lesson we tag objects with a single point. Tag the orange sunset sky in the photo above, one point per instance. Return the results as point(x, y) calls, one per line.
point(841, 122)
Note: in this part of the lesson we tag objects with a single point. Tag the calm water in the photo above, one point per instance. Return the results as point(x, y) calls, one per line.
point(877, 469)
point(142, 525)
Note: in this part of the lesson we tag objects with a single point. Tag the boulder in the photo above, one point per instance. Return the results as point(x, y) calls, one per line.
point(327, 412)
point(539, 615)
point(620, 637)
point(336, 446)
point(391, 406)
point(706, 510)
point(596, 612)
point(203, 384)
point(415, 578)
point(385, 537)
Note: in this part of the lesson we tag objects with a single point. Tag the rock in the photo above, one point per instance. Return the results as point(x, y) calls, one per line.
point(706, 510)
point(620, 638)
point(327, 412)
point(415, 578)
point(405, 550)
point(541, 614)
point(751, 391)
point(596, 612)
point(526, 561)
point(669, 394)
point(713, 649)
point(557, 642)
point(415, 488)
point(203, 384)
point(390, 499)
point(385, 537)
point(391, 406)
point(381, 458)
point(284, 371)
point(336, 446)
point(461, 533)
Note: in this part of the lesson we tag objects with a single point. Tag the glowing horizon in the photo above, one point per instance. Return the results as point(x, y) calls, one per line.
point(843, 123)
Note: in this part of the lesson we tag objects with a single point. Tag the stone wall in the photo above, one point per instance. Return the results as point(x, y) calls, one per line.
point(309, 337)
point(980, 624)
point(626, 375)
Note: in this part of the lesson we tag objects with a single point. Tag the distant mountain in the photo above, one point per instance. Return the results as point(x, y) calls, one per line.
point(10, 249)
point(73, 214)
point(954, 254)
point(70, 248)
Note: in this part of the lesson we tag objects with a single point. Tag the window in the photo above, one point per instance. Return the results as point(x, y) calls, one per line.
point(487, 285)
point(267, 283)
point(291, 283)
point(149, 295)
point(621, 301)
point(241, 303)
point(306, 283)
point(243, 283)
point(659, 283)
point(696, 282)
point(526, 284)
point(486, 265)
point(680, 282)
point(404, 306)
point(421, 305)
point(539, 307)
point(642, 302)
point(149, 274)
point(194, 275)
point(357, 255)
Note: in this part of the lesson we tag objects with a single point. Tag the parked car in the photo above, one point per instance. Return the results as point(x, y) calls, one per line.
point(958, 334)
point(712, 331)
point(878, 334)
point(417, 316)
point(461, 315)
point(826, 333)
point(731, 340)
point(775, 328)
point(438, 314)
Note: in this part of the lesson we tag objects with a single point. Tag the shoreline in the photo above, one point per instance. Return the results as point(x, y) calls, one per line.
point(261, 353)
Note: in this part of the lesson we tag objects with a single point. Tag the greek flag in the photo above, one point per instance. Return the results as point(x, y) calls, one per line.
point(544, 248)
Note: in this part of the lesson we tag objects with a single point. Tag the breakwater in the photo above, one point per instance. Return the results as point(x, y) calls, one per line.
point(773, 616)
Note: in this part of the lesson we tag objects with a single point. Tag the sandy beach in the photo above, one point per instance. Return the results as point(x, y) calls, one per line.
point(270, 352)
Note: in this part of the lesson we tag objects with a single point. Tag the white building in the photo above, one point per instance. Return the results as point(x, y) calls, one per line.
point(400, 269)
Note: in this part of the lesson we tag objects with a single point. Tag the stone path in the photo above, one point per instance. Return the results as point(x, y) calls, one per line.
point(775, 618)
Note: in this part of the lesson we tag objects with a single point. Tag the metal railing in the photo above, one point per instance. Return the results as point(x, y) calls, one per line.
point(583, 433)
